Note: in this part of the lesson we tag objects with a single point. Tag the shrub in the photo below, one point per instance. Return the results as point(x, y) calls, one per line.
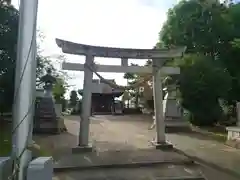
point(202, 83)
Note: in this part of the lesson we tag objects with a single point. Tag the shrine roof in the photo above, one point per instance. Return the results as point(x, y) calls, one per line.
point(115, 94)
point(100, 81)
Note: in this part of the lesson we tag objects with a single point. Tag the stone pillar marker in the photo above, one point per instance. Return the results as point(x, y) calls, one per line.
point(233, 138)
point(172, 110)
point(238, 114)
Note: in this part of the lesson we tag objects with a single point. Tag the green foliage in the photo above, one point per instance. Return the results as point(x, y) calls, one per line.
point(5, 138)
point(236, 43)
point(8, 47)
point(210, 71)
point(59, 90)
point(8, 39)
point(73, 98)
point(8, 2)
point(202, 83)
point(129, 76)
point(202, 28)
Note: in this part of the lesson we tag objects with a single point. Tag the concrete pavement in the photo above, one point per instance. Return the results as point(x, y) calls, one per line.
point(122, 133)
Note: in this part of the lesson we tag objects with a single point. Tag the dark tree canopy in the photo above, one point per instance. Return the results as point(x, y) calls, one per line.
point(210, 70)
point(201, 27)
point(8, 39)
point(8, 51)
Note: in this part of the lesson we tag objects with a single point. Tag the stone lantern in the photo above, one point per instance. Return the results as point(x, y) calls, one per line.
point(47, 117)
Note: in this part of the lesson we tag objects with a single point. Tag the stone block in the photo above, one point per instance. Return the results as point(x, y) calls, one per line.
point(40, 169)
point(233, 139)
point(82, 149)
point(162, 145)
point(5, 167)
point(48, 117)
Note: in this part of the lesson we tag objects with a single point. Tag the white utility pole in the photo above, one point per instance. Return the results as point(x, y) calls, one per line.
point(24, 90)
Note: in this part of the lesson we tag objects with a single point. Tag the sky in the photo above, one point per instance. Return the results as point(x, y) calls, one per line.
point(117, 23)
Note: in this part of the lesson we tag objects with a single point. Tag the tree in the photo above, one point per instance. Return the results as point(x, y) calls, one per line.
point(132, 94)
point(73, 98)
point(200, 26)
point(8, 2)
point(209, 71)
point(59, 90)
point(8, 38)
point(231, 54)
point(202, 84)
point(129, 76)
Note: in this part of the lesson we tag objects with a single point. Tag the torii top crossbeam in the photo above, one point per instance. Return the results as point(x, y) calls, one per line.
point(113, 52)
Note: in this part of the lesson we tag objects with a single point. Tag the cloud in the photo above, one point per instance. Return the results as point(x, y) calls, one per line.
point(159, 4)
point(125, 23)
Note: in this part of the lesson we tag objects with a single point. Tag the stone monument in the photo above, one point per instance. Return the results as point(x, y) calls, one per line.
point(173, 112)
point(46, 119)
point(233, 138)
point(172, 109)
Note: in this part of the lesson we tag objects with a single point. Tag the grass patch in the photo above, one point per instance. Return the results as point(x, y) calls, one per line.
point(217, 132)
point(6, 141)
point(5, 138)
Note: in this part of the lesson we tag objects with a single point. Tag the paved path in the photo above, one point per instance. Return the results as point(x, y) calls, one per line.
point(131, 132)
point(192, 144)
point(207, 150)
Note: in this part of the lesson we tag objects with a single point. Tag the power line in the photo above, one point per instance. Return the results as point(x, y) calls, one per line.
point(25, 116)
point(24, 68)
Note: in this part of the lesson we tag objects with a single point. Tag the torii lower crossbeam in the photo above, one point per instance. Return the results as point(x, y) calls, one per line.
point(120, 69)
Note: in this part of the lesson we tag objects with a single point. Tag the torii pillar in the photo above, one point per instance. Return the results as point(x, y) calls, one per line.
point(160, 141)
point(86, 105)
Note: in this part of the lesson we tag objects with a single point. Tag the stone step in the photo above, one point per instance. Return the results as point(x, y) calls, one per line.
point(46, 115)
point(46, 108)
point(46, 102)
point(46, 112)
point(46, 119)
point(120, 158)
point(162, 172)
point(127, 164)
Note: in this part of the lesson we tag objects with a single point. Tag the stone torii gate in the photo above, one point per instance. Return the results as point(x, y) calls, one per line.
point(158, 56)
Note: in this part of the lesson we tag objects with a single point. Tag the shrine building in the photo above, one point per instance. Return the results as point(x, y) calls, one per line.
point(103, 96)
